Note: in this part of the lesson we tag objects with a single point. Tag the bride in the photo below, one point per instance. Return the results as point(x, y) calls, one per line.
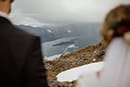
point(116, 36)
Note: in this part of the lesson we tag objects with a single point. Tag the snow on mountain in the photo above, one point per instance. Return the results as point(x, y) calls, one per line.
point(70, 48)
point(69, 31)
point(74, 73)
point(50, 31)
point(51, 58)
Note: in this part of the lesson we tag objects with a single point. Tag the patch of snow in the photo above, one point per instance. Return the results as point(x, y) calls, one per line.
point(50, 31)
point(69, 49)
point(51, 58)
point(69, 31)
point(72, 46)
point(74, 73)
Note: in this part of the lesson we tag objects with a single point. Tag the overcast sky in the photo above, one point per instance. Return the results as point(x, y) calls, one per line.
point(61, 11)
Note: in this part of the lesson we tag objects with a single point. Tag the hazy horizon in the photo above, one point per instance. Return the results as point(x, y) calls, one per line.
point(40, 12)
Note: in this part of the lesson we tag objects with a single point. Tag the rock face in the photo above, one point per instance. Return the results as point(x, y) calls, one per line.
point(93, 53)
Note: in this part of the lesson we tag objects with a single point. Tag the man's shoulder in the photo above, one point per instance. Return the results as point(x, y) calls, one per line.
point(8, 28)
point(22, 32)
point(11, 31)
point(24, 35)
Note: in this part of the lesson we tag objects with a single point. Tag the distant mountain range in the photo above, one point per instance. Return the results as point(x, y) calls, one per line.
point(53, 32)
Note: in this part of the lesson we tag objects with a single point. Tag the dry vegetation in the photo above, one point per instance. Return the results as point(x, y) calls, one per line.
point(93, 53)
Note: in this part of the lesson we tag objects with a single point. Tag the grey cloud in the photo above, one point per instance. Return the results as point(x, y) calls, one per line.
point(65, 10)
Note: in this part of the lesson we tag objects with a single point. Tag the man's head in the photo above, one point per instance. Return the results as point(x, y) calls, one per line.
point(5, 6)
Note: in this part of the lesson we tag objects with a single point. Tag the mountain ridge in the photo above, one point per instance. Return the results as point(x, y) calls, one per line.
point(53, 32)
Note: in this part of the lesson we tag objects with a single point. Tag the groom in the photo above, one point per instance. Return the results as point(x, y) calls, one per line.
point(21, 63)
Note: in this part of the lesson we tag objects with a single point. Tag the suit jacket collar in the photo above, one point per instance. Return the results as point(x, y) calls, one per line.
point(4, 18)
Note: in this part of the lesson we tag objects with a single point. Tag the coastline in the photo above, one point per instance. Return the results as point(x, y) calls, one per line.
point(87, 55)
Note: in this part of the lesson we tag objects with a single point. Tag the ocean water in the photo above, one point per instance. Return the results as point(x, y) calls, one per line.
point(68, 45)
point(59, 39)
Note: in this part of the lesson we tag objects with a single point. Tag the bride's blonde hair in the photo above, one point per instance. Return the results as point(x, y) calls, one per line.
point(116, 24)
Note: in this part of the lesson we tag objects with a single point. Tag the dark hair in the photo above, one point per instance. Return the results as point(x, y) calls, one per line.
point(6, 0)
point(12, 1)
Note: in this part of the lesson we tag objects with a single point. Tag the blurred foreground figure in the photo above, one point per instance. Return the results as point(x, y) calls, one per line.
point(21, 63)
point(116, 37)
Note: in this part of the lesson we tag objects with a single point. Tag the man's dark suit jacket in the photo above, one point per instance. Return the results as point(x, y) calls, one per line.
point(21, 63)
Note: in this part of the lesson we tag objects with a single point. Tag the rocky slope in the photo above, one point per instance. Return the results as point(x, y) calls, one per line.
point(93, 53)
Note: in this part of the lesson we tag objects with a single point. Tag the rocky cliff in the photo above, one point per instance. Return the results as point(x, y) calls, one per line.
point(93, 53)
